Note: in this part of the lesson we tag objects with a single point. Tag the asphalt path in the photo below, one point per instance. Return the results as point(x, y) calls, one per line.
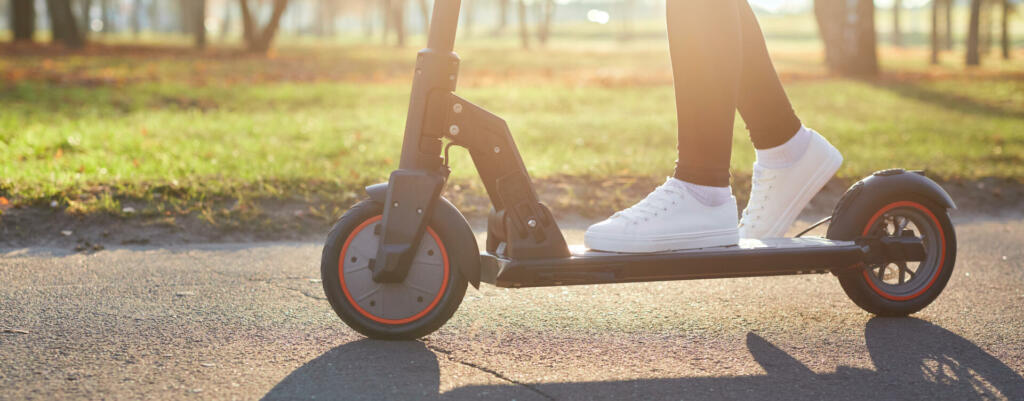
point(249, 321)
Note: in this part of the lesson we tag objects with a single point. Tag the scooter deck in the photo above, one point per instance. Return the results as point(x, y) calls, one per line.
point(750, 258)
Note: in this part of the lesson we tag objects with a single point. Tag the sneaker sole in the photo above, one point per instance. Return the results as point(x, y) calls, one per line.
point(806, 193)
point(707, 239)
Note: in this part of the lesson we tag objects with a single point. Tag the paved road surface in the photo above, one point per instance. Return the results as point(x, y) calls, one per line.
point(250, 322)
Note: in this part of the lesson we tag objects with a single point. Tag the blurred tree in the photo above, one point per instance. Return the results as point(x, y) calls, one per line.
point(973, 56)
point(63, 24)
point(136, 17)
point(393, 18)
point(499, 28)
point(385, 14)
point(948, 20)
point(524, 29)
point(23, 20)
point(367, 18)
point(258, 40)
point(198, 9)
point(897, 34)
point(425, 13)
point(86, 14)
point(327, 11)
point(847, 30)
point(225, 23)
point(153, 16)
point(547, 15)
point(397, 13)
point(985, 27)
point(105, 17)
point(936, 6)
point(1004, 37)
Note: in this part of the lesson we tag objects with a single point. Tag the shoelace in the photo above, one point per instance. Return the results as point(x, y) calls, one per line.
point(760, 189)
point(655, 203)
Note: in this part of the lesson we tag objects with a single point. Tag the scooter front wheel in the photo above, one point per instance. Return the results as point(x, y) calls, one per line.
point(897, 288)
point(413, 308)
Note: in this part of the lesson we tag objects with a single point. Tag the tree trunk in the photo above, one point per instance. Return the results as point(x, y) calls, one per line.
point(867, 41)
point(199, 23)
point(848, 34)
point(524, 29)
point(425, 13)
point(935, 32)
point(985, 28)
point(23, 20)
point(398, 21)
point(62, 23)
point(105, 16)
point(547, 16)
point(368, 18)
point(258, 39)
point(153, 16)
point(897, 34)
point(325, 18)
point(86, 17)
point(502, 18)
point(973, 57)
point(248, 36)
point(137, 18)
point(830, 16)
point(225, 25)
point(385, 13)
point(948, 20)
point(1004, 37)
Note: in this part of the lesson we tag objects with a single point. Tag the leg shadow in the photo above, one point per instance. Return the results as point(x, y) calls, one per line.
point(364, 370)
point(914, 360)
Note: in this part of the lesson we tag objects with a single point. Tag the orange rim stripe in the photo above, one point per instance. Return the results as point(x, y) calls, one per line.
point(344, 288)
point(942, 251)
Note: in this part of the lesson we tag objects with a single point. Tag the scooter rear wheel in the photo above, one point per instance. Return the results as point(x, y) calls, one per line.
point(422, 303)
point(897, 289)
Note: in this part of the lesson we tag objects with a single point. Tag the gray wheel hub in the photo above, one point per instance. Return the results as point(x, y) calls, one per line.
point(393, 303)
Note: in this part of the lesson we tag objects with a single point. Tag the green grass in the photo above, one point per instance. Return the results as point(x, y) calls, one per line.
point(319, 120)
point(220, 140)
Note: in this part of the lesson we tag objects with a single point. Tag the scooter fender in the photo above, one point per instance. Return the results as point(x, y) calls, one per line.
point(445, 211)
point(865, 197)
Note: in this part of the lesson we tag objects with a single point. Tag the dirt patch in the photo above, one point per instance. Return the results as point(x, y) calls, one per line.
point(580, 198)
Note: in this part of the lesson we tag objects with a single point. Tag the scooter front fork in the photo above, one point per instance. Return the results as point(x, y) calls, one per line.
point(519, 225)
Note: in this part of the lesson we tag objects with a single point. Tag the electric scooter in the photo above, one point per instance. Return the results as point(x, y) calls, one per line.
point(397, 265)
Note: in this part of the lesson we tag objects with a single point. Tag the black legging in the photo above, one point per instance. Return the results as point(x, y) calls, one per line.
point(720, 64)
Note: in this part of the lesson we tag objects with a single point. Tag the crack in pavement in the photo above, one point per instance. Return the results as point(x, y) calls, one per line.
point(489, 371)
point(283, 287)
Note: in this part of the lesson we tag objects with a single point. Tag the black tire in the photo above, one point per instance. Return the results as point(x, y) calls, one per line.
point(435, 316)
point(865, 284)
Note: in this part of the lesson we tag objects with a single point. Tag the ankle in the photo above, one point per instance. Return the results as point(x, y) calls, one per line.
point(707, 195)
point(790, 152)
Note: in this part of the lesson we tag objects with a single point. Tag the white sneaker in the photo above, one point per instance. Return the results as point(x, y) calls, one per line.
point(779, 194)
point(667, 219)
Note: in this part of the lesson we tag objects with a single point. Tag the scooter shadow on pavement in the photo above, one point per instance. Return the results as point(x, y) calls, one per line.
point(913, 359)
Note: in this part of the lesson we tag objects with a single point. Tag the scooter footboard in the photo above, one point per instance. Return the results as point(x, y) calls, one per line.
point(781, 256)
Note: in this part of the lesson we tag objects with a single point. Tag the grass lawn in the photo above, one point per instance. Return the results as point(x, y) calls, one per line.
point(314, 121)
